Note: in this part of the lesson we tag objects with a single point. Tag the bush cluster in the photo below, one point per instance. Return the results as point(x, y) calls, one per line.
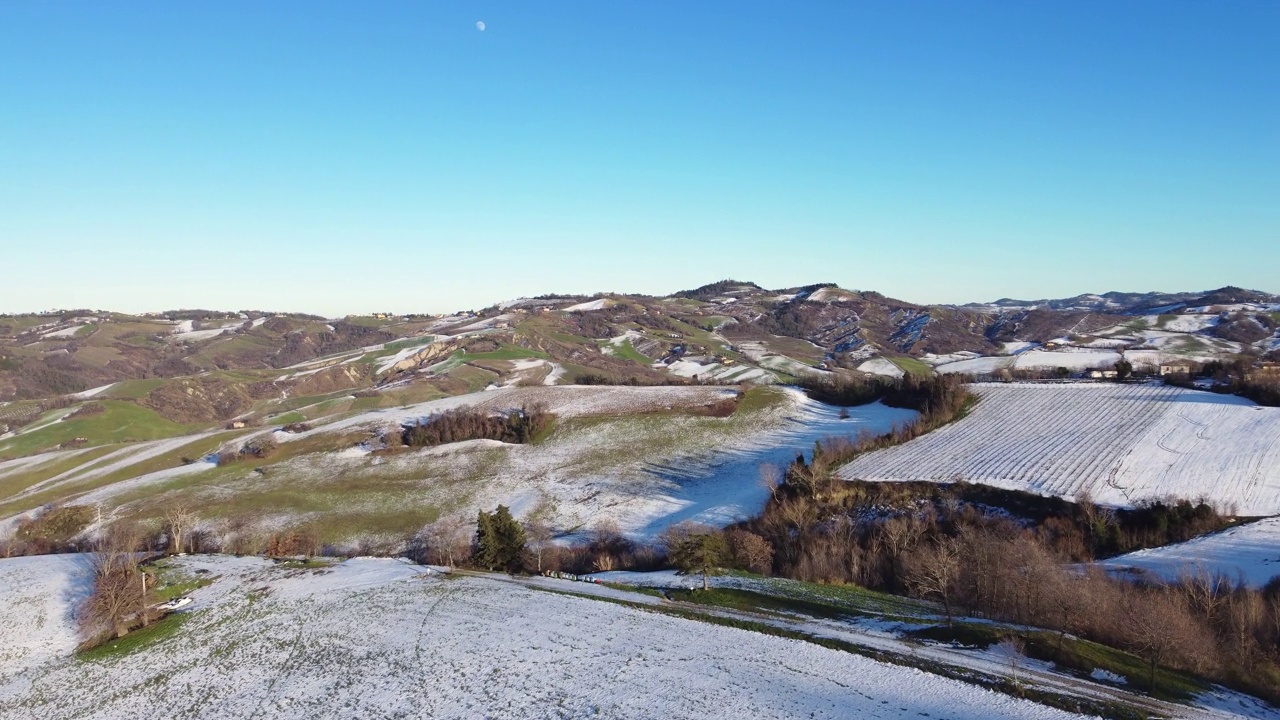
point(516, 426)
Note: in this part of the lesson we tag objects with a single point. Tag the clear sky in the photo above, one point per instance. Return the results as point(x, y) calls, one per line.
point(349, 157)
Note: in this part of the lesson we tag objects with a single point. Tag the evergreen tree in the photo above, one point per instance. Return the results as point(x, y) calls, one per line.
point(499, 540)
point(699, 551)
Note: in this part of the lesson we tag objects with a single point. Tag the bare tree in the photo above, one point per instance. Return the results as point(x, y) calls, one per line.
point(445, 538)
point(770, 478)
point(1158, 626)
point(121, 590)
point(178, 520)
point(750, 551)
point(932, 571)
point(538, 535)
point(1011, 650)
point(538, 530)
point(1204, 590)
point(899, 535)
point(393, 437)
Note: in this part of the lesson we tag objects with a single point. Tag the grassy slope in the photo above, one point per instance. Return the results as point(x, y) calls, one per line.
point(71, 487)
point(121, 422)
point(386, 495)
point(912, 366)
point(625, 351)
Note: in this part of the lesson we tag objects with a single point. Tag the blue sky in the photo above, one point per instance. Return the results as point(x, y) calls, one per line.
point(346, 157)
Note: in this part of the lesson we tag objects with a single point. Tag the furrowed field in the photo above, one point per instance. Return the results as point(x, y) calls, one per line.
point(1121, 444)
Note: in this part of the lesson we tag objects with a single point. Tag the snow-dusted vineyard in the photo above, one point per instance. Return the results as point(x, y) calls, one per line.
point(375, 638)
point(1119, 443)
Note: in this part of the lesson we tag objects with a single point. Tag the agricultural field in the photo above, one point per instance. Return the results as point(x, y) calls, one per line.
point(385, 638)
point(1121, 444)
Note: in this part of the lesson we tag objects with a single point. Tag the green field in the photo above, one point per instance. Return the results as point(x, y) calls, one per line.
point(121, 422)
point(506, 352)
point(626, 351)
point(912, 366)
point(133, 389)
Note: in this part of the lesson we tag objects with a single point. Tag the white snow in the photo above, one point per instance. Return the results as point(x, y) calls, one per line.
point(1120, 443)
point(390, 361)
point(715, 371)
point(630, 336)
point(63, 333)
point(382, 638)
point(124, 457)
point(599, 304)
point(198, 335)
point(85, 395)
point(38, 596)
point(484, 324)
point(644, 472)
point(936, 360)
point(562, 400)
point(881, 366)
point(760, 354)
point(830, 295)
point(108, 492)
point(1074, 359)
point(1013, 348)
point(1190, 323)
point(1107, 676)
point(1250, 553)
point(978, 366)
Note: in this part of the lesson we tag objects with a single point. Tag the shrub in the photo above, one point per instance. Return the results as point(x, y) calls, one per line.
point(93, 408)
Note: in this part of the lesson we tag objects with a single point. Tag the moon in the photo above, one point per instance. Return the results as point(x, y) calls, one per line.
point(480, 25)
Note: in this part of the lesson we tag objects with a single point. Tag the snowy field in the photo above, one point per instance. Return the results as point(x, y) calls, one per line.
point(1023, 356)
point(378, 638)
point(978, 366)
point(37, 595)
point(881, 366)
point(1073, 359)
point(1119, 443)
point(1250, 554)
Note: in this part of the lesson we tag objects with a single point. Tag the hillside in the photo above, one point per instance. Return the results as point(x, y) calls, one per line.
point(641, 458)
point(205, 367)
